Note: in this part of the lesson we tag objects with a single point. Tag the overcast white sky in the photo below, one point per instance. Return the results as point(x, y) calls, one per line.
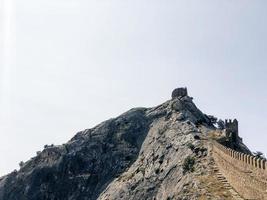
point(66, 65)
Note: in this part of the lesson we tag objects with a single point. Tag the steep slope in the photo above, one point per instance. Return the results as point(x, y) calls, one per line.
point(146, 153)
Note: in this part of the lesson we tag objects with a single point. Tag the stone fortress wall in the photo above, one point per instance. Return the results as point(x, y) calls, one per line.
point(245, 173)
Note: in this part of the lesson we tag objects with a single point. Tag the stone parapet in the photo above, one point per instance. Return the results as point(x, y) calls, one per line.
point(247, 174)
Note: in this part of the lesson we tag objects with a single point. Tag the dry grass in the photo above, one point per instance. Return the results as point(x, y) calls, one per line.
point(214, 187)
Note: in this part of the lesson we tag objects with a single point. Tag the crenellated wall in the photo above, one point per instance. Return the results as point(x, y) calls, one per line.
point(245, 173)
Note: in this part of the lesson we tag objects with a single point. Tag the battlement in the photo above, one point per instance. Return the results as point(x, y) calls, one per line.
point(179, 92)
point(247, 174)
point(252, 161)
point(233, 125)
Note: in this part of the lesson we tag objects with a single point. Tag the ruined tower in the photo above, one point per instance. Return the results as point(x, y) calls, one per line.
point(231, 130)
point(179, 92)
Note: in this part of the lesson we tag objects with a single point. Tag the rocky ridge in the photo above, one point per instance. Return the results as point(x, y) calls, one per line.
point(146, 153)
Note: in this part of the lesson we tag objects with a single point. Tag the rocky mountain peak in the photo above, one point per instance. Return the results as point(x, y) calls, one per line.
point(145, 153)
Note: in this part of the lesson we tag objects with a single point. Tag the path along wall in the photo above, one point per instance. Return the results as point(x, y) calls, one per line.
point(245, 173)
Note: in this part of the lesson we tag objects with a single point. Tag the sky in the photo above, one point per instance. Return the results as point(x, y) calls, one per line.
point(67, 65)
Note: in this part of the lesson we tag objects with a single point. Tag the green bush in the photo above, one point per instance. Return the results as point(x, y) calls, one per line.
point(191, 146)
point(188, 165)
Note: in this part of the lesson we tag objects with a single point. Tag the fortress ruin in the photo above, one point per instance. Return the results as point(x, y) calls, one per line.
point(246, 173)
point(179, 92)
point(231, 132)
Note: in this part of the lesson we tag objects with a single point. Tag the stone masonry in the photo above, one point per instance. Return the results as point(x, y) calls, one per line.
point(231, 130)
point(179, 92)
point(246, 174)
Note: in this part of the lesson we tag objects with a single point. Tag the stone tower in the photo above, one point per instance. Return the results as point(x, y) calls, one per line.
point(179, 92)
point(231, 130)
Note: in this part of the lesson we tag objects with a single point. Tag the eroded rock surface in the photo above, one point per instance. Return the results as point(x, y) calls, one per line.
point(138, 155)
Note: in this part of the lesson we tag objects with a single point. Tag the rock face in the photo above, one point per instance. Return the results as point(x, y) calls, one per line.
point(146, 153)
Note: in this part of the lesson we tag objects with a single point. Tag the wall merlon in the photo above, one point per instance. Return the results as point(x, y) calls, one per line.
point(255, 161)
point(251, 160)
point(259, 163)
point(246, 159)
point(243, 157)
point(229, 151)
point(262, 164)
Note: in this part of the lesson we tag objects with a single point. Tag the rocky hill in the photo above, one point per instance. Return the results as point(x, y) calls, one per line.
point(158, 153)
